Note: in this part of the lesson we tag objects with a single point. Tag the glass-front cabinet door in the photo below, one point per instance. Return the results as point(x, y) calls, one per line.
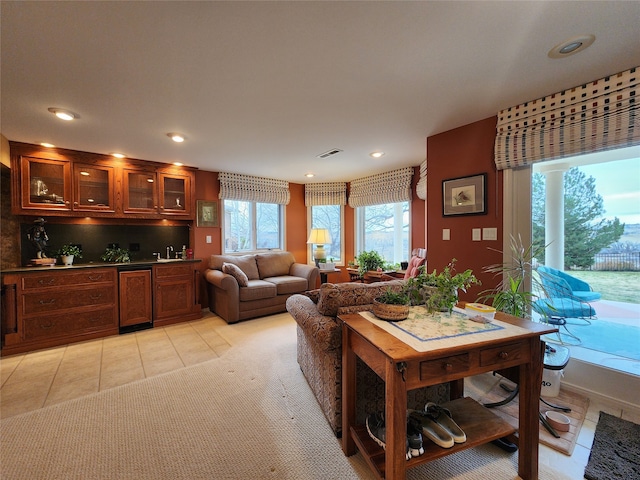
point(93, 188)
point(175, 194)
point(46, 184)
point(140, 191)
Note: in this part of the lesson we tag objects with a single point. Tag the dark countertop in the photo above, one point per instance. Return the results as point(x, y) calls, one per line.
point(127, 266)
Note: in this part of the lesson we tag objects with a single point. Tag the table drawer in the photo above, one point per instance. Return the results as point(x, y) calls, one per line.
point(42, 302)
point(444, 366)
point(61, 324)
point(505, 354)
point(63, 279)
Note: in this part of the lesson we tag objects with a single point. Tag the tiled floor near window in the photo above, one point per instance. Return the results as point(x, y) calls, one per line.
point(38, 379)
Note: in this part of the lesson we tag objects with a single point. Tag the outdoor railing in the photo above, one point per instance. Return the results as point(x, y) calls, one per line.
point(617, 262)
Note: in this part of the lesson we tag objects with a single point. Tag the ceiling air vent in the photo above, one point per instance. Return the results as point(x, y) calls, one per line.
point(330, 153)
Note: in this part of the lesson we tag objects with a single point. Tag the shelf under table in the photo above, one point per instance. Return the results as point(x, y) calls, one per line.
point(478, 423)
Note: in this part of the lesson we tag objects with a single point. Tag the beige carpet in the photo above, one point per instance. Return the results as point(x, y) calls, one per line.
point(246, 415)
point(579, 405)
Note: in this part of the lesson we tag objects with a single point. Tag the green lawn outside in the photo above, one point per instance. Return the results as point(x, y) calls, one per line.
point(614, 286)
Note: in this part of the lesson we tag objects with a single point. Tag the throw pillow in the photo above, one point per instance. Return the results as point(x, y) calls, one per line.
point(313, 294)
point(236, 273)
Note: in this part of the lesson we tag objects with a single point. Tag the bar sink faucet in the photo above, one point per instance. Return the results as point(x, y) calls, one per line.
point(169, 250)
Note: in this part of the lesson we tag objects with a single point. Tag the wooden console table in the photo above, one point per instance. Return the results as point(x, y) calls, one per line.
point(403, 368)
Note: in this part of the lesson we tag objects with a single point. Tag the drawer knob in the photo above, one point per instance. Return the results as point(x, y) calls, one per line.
point(51, 281)
point(94, 278)
point(503, 355)
point(448, 367)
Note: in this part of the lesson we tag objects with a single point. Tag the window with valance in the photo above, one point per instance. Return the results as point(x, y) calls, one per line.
point(235, 186)
point(593, 117)
point(328, 193)
point(387, 187)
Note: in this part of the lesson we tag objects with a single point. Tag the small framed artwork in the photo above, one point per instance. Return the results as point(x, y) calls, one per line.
point(207, 214)
point(464, 195)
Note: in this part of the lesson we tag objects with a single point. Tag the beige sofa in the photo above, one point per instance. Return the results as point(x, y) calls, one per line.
point(269, 279)
point(319, 350)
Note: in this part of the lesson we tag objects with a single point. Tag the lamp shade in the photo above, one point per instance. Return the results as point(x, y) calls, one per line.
point(319, 236)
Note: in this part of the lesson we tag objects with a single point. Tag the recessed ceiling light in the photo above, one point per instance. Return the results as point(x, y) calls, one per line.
point(176, 137)
point(84, 173)
point(309, 175)
point(376, 154)
point(118, 155)
point(571, 46)
point(47, 145)
point(178, 164)
point(63, 114)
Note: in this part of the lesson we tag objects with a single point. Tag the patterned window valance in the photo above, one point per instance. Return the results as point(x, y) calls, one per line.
point(594, 117)
point(388, 187)
point(421, 187)
point(329, 193)
point(234, 186)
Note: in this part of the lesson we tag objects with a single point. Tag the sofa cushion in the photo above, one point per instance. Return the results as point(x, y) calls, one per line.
point(332, 297)
point(236, 273)
point(257, 290)
point(286, 284)
point(274, 264)
point(247, 264)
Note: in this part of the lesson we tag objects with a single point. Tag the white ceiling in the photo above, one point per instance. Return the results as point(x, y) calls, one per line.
point(261, 88)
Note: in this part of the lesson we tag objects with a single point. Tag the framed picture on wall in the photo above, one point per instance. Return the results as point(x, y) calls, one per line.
point(207, 214)
point(464, 195)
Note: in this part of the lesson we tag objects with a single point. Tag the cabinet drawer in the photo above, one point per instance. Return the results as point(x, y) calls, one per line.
point(55, 325)
point(64, 279)
point(173, 270)
point(504, 354)
point(444, 366)
point(42, 302)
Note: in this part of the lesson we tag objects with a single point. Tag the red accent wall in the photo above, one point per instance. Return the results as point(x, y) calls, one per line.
point(461, 152)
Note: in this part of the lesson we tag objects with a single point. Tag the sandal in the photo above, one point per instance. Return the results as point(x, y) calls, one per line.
point(443, 417)
point(432, 430)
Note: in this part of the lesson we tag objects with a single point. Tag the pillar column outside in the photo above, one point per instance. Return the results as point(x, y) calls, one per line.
point(554, 215)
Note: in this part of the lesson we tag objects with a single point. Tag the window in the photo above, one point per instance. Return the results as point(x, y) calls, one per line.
point(331, 218)
point(385, 229)
point(250, 226)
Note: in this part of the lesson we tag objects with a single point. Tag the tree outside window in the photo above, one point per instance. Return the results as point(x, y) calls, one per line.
point(385, 229)
point(250, 226)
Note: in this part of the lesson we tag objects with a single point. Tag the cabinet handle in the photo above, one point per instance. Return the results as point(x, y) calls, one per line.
point(51, 281)
point(47, 326)
point(75, 203)
point(51, 301)
point(95, 297)
point(94, 278)
point(503, 355)
point(448, 367)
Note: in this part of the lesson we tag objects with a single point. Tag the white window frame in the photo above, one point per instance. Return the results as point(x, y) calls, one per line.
point(310, 247)
point(359, 233)
point(253, 219)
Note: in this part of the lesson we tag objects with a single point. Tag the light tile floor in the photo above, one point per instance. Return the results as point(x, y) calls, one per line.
point(38, 379)
point(34, 380)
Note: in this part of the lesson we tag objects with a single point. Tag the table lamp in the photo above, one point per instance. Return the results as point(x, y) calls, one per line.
point(321, 237)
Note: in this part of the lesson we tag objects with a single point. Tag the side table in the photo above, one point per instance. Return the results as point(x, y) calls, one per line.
point(324, 273)
point(403, 368)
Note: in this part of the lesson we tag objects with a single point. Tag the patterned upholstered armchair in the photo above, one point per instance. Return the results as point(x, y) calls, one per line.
point(319, 350)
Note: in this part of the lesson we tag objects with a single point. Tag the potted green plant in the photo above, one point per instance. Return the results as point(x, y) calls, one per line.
point(369, 261)
point(68, 252)
point(392, 305)
point(439, 291)
point(511, 295)
point(116, 255)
